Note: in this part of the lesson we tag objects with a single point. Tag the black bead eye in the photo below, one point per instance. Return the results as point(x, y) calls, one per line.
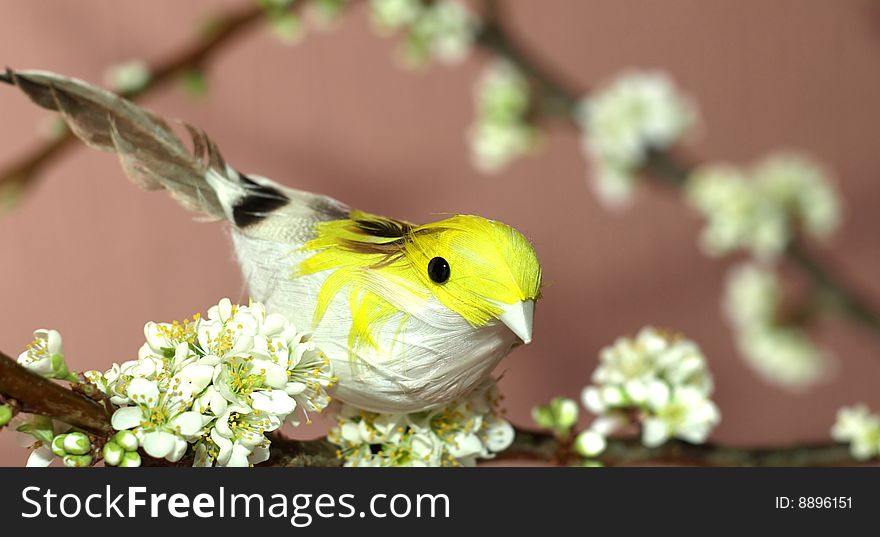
point(438, 270)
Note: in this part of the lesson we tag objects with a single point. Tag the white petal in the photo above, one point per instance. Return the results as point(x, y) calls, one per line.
point(590, 443)
point(143, 391)
point(500, 435)
point(127, 418)
point(294, 388)
point(197, 375)
point(273, 324)
point(54, 342)
point(187, 423)
point(276, 376)
point(274, 402)
point(259, 454)
point(40, 457)
point(159, 444)
point(654, 432)
point(350, 432)
point(224, 447)
point(239, 457)
point(465, 445)
point(224, 308)
point(592, 400)
point(658, 394)
point(178, 451)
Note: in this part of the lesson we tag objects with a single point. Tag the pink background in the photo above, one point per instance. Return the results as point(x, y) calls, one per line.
point(91, 255)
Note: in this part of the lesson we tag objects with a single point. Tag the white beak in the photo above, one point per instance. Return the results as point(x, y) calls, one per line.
point(518, 317)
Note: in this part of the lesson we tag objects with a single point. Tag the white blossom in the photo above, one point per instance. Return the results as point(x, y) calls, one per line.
point(637, 113)
point(395, 14)
point(444, 29)
point(237, 438)
point(761, 210)
point(215, 384)
point(785, 356)
point(858, 426)
point(159, 417)
point(501, 131)
point(664, 378)
point(45, 356)
point(780, 353)
point(590, 443)
point(454, 435)
point(679, 411)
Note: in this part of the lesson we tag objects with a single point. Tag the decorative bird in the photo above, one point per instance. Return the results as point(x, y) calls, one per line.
point(411, 316)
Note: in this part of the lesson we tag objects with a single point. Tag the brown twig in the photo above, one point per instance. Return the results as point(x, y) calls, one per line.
point(221, 31)
point(35, 395)
point(541, 446)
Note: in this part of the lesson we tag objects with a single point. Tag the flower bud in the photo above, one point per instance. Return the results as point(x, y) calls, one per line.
point(58, 445)
point(126, 440)
point(77, 461)
point(130, 460)
point(5, 414)
point(560, 415)
point(589, 444)
point(77, 443)
point(565, 412)
point(113, 453)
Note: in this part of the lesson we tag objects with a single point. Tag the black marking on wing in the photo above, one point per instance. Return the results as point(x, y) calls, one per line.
point(385, 227)
point(259, 201)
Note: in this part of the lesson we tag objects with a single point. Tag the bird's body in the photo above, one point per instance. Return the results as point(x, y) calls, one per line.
point(411, 316)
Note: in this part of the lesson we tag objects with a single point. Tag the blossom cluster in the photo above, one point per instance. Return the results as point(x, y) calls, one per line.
point(443, 29)
point(454, 435)
point(216, 384)
point(860, 428)
point(761, 210)
point(780, 352)
point(623, 123)
point(502, 130)
point(658, 378)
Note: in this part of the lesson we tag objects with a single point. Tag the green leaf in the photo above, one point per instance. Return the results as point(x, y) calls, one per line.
point(5, 414)
point(194, 83)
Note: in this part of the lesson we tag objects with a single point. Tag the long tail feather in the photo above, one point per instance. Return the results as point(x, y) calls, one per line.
point(151, 154)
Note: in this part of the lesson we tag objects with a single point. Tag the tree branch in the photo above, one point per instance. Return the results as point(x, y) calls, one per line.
point(541, 446)
point(37, 395)
point(34, 394)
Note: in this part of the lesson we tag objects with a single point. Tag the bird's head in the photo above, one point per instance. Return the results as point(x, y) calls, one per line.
point(480, 269)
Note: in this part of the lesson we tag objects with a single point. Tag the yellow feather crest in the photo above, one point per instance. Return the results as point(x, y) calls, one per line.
point(382, 264)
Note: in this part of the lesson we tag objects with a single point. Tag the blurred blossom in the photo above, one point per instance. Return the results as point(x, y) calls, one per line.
point(443, 30)
point(560, 415)
point(780, 353)
point(454, 435)
point(326, 11)
point(589, 443)
point(395, 14)
point(502, 131)
point(623, 122)
point(661, 376)
point(128, 77)
point(761, 211)
point(860, 428)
